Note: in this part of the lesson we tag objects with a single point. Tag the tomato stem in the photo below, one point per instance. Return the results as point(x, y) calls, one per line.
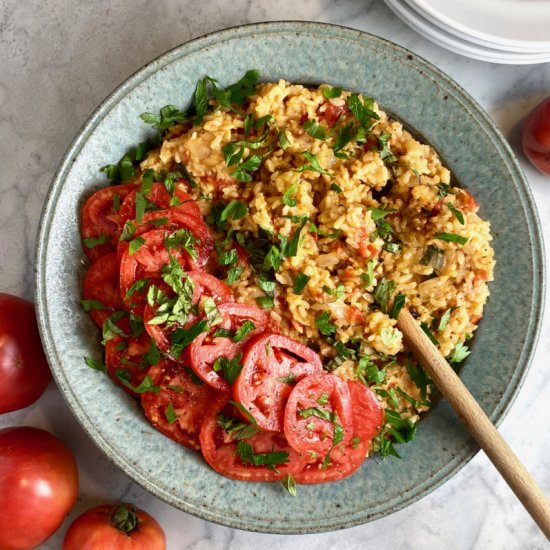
point(124, 519)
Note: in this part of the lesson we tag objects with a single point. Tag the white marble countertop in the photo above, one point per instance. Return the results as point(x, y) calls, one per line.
point(59, 59)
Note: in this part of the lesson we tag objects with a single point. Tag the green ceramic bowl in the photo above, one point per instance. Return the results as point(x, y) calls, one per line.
point(427, 101)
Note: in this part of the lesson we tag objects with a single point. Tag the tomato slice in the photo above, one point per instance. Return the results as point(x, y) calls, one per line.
point(368, 415)
point(220, 450)
point(100, 218)
point(101, 283)
point(159, 197)
point(171, 220)
point(125, 358)
point(343, 461)
point(177, 409)
point(317, 413)
point(271, 363)
point(206, 348)
point(205, 285)
point(146, 264)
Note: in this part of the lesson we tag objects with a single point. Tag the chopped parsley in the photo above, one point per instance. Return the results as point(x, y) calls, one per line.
point(426, 329)
point(95, 364)
point(246, 453)
point(230, 368)
point(323, 324)
point(288, 198)
point(315, 130)
point(398, 303)
point(92, 242)
point(383, 293)
point(170, 413)
point(233, 274)
point(311, 164)
point(368, 277)
point(90, 305)
point(236, 428)
point(457, 213)
point(460, 353)
point(243, 331)
point(332, 93)
point(168, 116)
point(289, 484)
point(180, 338)
point(135, 245)
point(444, 320)
point(451, 238)
point(265, 302)
point(300, 282)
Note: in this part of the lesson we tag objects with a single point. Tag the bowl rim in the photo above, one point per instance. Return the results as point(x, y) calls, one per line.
point(306, 27)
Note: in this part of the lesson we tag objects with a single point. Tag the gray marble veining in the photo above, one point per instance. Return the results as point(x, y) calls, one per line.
point(59, 59)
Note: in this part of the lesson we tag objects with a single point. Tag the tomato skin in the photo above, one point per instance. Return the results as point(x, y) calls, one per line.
point(220, 450)
point(38, 486)
point(205, 349)
point(99, 217)
point(94, 530)
point(259, 386)
point(313, 436)
point(101, 283)
point(536, 136)
point(191, 402)
point(24, 371)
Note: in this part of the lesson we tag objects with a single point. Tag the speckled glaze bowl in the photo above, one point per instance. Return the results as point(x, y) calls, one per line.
point(442, 114)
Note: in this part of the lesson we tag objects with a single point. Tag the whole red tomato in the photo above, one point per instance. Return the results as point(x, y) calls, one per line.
point(115, 527)
point(536, 136)
point(38, 486)
point(24, 372)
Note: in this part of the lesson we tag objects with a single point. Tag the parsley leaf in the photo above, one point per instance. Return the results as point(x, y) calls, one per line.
point(251, 164)
point(457, 213)
point(311, 164)
point(325, 327)
point(243, 331)
point(289, 484)
point(236, 428)
point(230, 368)
point(300, 281)
point(168, 116)
point(95, 364)
point(234, 210)
point(92, 242)
point(383, 293)
point(426, 329)
point(233, 274)
point(368, 277)
point(332, 93)
point(201, 100)
point(135, 245)
point(288, 200)
point(246, 453)
point(170, 413)
point(89, 305)
point(451, 238)
point(459, 353)
point(398, 303)
point(180, 338)
point(315, 130)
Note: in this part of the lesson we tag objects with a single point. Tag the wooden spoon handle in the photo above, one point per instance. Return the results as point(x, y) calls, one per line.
point(477, 422)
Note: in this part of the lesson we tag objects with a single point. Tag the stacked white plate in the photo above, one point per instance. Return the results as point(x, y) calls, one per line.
point(499, 31)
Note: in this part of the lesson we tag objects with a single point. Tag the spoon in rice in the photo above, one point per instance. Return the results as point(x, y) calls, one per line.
point(476, 421)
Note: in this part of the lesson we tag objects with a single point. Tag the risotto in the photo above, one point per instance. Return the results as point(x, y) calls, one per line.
point(329, 217)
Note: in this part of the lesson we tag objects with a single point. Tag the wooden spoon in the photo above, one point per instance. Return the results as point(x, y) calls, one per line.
point(477, 422)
